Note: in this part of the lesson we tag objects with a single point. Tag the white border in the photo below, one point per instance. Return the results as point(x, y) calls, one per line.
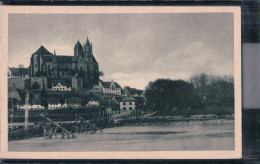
point(237, 153)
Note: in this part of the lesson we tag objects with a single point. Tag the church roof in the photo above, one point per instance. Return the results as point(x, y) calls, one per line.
point(78, 44)
point(87, 42)
point(42, 50)
point(65, 59)
point(94, 59)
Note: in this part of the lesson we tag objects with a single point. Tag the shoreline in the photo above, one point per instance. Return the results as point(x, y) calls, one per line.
point(193, 135)
point(161, 121)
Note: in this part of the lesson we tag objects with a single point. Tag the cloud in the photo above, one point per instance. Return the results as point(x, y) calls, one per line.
point(131, 49)
point(192, 59)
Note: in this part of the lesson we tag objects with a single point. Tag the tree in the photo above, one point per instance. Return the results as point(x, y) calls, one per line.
point(164, 94)
point(211, 90)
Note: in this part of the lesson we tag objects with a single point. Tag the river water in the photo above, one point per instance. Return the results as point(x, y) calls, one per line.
point(176, 136)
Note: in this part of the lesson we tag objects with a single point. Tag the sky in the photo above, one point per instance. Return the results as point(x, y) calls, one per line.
point(131, 49)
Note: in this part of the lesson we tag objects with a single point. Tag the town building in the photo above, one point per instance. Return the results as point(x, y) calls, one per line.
point(60, 85)
point(127, 104)
point(17, 72)
point(54, 104)
point(30, 107)
point(92, 103)
point(83, 63)
point(112, 88)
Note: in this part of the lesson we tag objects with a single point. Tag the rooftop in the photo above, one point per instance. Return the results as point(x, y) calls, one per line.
point(19, 71)
point(42, 50)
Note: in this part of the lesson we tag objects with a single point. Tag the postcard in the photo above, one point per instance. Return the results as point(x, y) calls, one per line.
point(117, 82)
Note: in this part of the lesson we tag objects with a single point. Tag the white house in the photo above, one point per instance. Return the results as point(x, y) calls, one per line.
point(36, 107)
point(127, 104)
point(108, 88)
point(92, 102)
point(53, 104)
point(59, 86)
point(97, 88)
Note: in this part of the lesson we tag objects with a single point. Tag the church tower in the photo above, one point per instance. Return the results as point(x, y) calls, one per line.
point(88, 50)
point(78, 49)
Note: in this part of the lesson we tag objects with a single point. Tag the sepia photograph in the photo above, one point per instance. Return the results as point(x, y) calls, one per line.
point(121, 82)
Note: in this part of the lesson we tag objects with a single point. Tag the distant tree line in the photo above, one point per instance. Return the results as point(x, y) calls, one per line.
point(202, 94)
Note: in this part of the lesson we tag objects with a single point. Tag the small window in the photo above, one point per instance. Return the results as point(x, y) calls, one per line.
point(123, 103)
point(130, 103)
point(130, 108)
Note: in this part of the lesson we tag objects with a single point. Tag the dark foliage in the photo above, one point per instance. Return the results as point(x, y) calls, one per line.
point(164, 94)
point(205, 94)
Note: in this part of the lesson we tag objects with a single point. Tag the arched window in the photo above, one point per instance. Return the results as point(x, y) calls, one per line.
point(130, 103)
point(123, 103)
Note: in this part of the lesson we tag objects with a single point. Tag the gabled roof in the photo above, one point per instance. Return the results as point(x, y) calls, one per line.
point(63, 82)
point(78, 44)
point(73, 100)
point(42, 50)
point(19, 71)
point(107, 84)
point(65, 59)
point(94, 59)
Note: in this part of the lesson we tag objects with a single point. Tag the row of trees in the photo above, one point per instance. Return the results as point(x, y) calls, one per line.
point(202, 93)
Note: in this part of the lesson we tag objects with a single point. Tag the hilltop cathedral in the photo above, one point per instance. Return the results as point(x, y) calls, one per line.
point(83, 64)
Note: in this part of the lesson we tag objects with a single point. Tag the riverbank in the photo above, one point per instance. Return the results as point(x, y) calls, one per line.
point(173, 136)
point(158, 120)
